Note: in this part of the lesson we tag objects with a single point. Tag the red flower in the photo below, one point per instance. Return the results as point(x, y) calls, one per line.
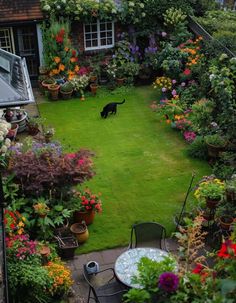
point(198, 269)
point(62, 32)
point(187, 72)
point(59, 39)
point(12, 226)
point(73, 52)
point(228, 250)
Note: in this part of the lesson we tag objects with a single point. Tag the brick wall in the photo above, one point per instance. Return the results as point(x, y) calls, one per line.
point(1, 269)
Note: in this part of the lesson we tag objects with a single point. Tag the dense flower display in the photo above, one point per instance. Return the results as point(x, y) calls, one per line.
point(14, 222)
point(20, 247)
point(210, 188)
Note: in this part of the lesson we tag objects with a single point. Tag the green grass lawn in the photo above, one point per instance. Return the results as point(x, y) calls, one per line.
point(142, 169)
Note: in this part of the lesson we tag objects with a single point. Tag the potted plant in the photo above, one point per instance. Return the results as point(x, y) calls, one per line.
point(43, 70)
point(120, 76)
point(79, 84)
point(211, 190)
point(85, 204)
point(33, 125)
point(66, 90)
point(215, 144)
point(96, 70)
point(48, 81)
point(48, 133)
point(53, 91)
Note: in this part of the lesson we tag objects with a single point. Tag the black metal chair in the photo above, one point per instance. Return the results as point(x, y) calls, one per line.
point(148, 234)
point(111, 291)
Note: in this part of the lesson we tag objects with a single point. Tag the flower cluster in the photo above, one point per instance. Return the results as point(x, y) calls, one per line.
point(210, 187)
point(41, 209)
point(164, 83)
point(20, 247)
point(193, 49)
point(4, 143)
point(168, 281)
point(181, 122)
point(86, 201)
point(80, 82)
point(228, 250)
point(60, 276)
point(189, 136)
point(14, 222)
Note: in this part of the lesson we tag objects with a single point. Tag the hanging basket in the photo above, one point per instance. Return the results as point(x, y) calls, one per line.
point(212, 203)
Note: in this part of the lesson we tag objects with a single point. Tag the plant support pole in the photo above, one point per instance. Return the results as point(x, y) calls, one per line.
point(2, 228)
point(185, 200)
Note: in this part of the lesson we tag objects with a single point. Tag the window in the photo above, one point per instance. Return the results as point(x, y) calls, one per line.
point(6, 41)
point(98, 35)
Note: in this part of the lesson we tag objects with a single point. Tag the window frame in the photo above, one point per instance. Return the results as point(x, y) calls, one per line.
point(99, 36)
point(11, 47)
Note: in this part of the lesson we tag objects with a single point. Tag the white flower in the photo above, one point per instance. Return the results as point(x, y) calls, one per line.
point(131, 3)
point(58, 7)
point(1, 138)
point(141, 5)
point(7, 142)
point(143, 14)
point(46, 7)
point(4, 149)
point(1, 133)
point(212, 76)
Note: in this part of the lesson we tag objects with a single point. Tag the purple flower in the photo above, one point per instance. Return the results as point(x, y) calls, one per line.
point(163, 34)
point(174, 92)
point(174, 81)
point(189, 136)
point(183, 84)
point(164, 89)
point(168, 281)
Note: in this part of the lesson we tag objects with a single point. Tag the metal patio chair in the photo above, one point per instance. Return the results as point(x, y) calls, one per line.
point(104, 289)
point(148, 234)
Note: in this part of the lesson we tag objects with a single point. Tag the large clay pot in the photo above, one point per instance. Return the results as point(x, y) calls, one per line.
point(66, 95)
point(86, 216)
point(120, 81)
point(54, 91)
point(93, 88)
point(80, 231)
point(214, 151)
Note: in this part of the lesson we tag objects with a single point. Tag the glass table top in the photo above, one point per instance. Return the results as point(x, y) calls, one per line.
point(126, 263)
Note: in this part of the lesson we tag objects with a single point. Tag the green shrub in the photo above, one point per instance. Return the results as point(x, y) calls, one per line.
point(227, 38)
point(198, 149)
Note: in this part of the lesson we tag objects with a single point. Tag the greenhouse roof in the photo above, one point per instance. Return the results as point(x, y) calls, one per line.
point(15, 86)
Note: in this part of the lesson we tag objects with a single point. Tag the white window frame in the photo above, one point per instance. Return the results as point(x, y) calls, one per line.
point(10, 36)
point(98, 36)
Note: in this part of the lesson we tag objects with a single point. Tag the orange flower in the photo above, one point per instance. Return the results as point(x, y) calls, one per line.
point(168, 121)
point(76, 69)
point(61, 67)
point(57, 59)
point(66, 49)
point(73, 59)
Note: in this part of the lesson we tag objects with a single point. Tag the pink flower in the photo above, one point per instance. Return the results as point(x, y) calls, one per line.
point(174, 81)
point(187, 72)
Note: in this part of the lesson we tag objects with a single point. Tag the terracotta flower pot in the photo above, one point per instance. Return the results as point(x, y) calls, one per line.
point(88, 217)
point(120, 81)
point(54, 91)
point(226, 221)
point(93, 88)
point(212, 203)
point(66, 95)
point(214, 151)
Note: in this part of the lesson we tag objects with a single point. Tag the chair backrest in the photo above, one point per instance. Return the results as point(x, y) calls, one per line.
point(87, 278)
point(147, 234)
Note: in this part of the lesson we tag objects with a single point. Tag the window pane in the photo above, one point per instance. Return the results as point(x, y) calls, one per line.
point(88, 43)
point(103, 42)
point(109, 26)
point(103, 35)
point(109, 41)
point(88, 36)
point(102, 27)
point(95, 43)
point(109, 34)
point(94, 28)
point(94, 36)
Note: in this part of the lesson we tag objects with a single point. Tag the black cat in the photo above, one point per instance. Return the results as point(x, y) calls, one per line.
point(110, 107)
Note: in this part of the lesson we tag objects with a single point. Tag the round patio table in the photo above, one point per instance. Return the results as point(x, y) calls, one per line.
point(126, 263)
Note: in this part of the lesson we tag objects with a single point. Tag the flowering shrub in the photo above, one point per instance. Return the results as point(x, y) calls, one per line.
point(41, 208)
point(193, 49)
point(210, 187)
point(4, 143)
point(170, 109)
point(86, 201)
point(61, 279)
point(49, 173)
point(20, 247)
point(59, 56)
point(14, 222)
point(181, 122)
point(168, 281)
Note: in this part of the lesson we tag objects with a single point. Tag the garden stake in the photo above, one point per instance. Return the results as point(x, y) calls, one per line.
point(185, 200)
